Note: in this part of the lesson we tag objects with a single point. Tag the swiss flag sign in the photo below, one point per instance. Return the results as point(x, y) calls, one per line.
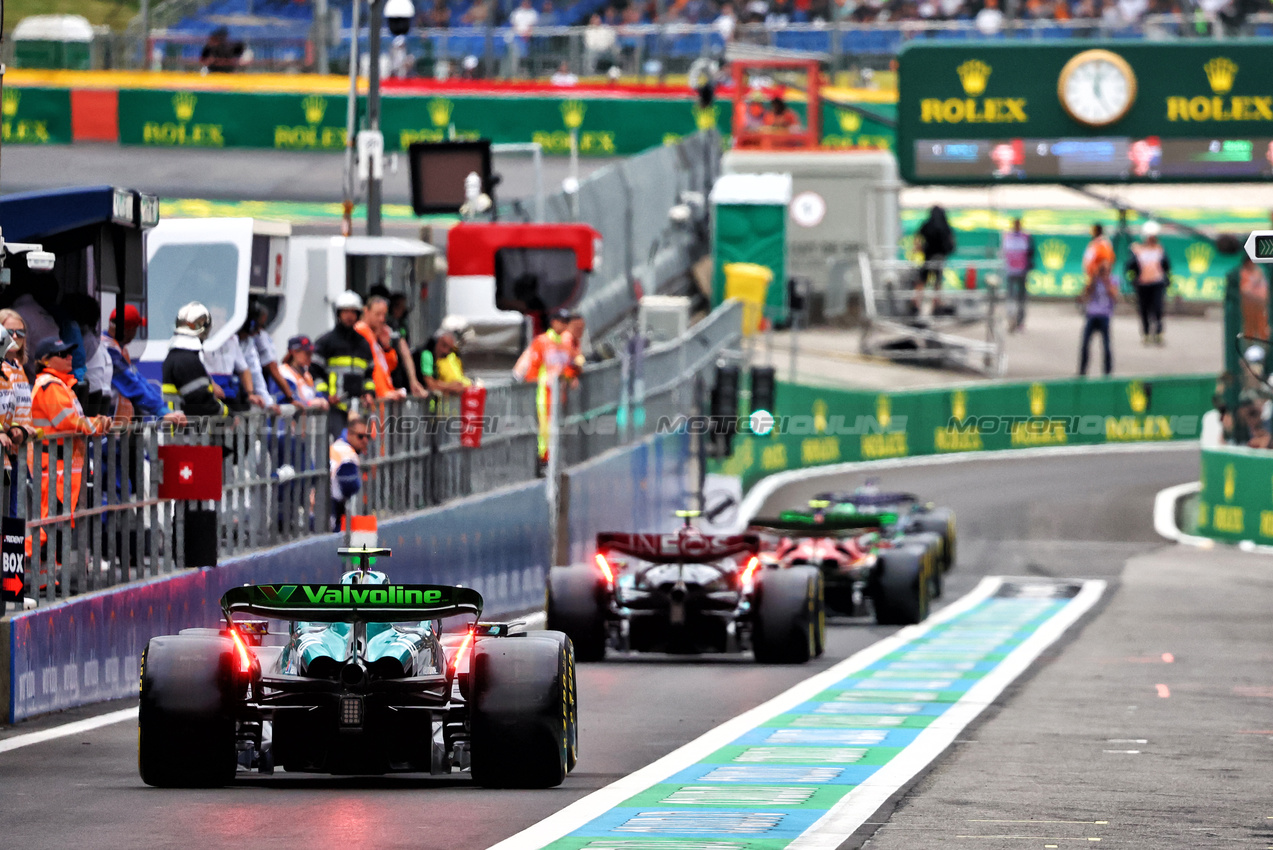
point(472, 409)
point(191, 473)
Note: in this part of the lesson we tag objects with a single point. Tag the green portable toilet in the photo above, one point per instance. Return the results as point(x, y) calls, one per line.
point(750, 226)
point(56, 42)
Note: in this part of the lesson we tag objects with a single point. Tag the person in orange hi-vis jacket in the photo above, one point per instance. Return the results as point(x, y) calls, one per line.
point(551, 355)
point(56, 411)
point(383, 360)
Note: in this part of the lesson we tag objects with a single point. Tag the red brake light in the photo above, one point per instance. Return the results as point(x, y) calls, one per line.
point(241, 650)
point(745, 579)
point(464, 647)
point(606, 570)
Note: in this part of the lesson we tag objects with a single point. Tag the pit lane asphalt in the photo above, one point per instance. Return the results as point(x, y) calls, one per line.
point(1076, 516)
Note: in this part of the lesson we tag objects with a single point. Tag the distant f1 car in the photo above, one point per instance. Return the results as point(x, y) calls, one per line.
point(869, 545)
point(359, 677)
point(687, 592)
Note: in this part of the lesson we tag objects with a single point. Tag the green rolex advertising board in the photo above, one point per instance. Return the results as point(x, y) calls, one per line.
point(37, 116)
point(1086, 112)
point(1236, 500)
point(231, 119)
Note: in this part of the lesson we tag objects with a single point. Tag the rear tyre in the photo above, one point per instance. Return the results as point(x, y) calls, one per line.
point(789, 622)
point(934, 549)
point(572, 695)
point(521, 712)
point(574, 605)
point(941, 521)
point(186, 720)
point(901, 587)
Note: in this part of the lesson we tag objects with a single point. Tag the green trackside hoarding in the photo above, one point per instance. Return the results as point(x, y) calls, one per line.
point(37, 116)
point(821, 426)
point(1086, 111)
point(1236, 501)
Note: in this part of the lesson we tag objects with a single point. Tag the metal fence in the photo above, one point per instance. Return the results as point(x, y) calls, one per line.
point(94, 518)
point(646, 389)
point(644, 50)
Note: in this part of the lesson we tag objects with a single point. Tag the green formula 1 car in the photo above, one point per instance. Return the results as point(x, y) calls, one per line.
point(358, 677)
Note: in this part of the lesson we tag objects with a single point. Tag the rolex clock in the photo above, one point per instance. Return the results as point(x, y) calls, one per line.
point(1096, 87)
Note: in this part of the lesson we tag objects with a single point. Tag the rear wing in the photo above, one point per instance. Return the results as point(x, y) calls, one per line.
point(343, 603)
point(678, 548)
point(795, 525)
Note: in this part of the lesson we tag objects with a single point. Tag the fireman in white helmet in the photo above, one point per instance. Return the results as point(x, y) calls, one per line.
point(342, 362)
point(186, 384)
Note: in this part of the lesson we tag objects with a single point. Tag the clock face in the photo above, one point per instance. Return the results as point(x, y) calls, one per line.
point(1097, 87)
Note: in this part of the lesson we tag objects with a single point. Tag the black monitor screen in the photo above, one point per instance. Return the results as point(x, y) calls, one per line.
point(438, 170)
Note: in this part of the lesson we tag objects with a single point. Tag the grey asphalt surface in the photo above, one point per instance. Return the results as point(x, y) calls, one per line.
point(256, 175)
point(1081, 516)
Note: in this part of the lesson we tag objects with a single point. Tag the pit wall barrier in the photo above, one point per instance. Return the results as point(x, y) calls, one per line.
point(189, 114)
point(1235, 503)
point(87, 649)
point(817, 426)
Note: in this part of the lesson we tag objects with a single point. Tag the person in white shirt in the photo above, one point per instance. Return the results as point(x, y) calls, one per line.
point(727, 22)
point(989, 20)
point(563, 77)
point(599, 41)
point(523, 19)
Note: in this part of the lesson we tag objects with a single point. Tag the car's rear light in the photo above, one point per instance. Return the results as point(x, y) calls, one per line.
point(749, 571)
point(241, 651)
point(351, 711)
point(464, 647)
point(606, 569)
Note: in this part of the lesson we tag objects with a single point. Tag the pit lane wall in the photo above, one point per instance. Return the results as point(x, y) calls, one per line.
point(87, 649)
point(1236, 502)
point(817, 426)
point(282, 113)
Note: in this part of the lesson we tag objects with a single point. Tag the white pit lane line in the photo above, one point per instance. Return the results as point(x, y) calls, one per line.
point(858, 806)
point(66, 729)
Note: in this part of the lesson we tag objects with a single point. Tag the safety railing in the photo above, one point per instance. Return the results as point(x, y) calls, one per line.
point(648, 50)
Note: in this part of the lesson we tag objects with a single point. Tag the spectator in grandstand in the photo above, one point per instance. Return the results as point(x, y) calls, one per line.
point(220, 55)
point(523, 19)
point(780, 117)
point(131, 394)
point(548, 16)
point(1149, 270)
point(563, 77)
point(1017, 250)
point(599, 41)
point(346, 471)
point(935, 241)
point(726, 22)
point(295, 371)
point(478, 15)
point(1098, 298)
point(989, 20)
point(437, 16)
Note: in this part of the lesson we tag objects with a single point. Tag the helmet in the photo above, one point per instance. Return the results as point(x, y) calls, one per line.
point(193, 320)
point(347, 300)
point(7, 342)
point(1150, 228)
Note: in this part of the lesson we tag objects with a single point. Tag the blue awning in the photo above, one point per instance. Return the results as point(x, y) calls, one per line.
point(34, 216)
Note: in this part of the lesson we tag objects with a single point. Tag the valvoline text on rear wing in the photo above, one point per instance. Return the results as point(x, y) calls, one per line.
point(342, 603)
point(678, 548)
point(792, 524)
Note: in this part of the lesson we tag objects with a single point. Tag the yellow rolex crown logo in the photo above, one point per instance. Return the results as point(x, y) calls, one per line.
point(704, 117)
point(1053, 253)
point(183, 105)
point(1038, 399)
point(1137, 397)
point(959, 405)
point(973, 74)
point(1230, 482)
point(440, 110)
point(1199, 255)
point(12, 97)
point(1220, 73)
point(820, 416)
point(315, 108)
point(883, 411)
point(572, 112)
point(850, 121)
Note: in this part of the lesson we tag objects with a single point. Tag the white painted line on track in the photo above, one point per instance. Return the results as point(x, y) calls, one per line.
point(766, 486)
point(75, 728)
point(856, 808)
point(582, 811)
